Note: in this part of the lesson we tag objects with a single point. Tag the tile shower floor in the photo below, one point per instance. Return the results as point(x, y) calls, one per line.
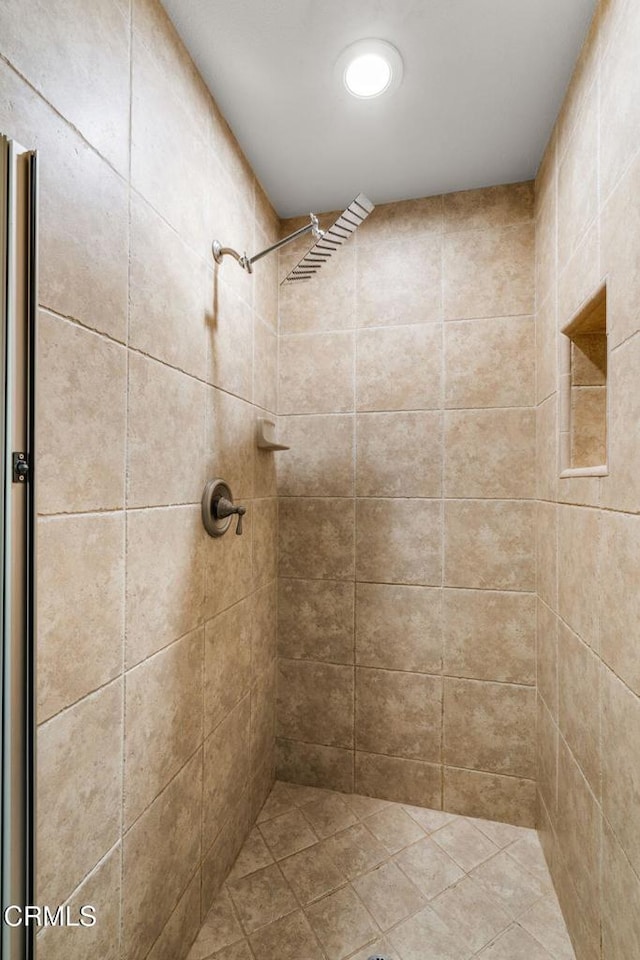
point(327, 876)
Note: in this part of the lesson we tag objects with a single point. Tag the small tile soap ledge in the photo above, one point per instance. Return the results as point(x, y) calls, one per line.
point(265, 433)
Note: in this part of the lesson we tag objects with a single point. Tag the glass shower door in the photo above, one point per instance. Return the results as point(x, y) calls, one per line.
point(18, 306)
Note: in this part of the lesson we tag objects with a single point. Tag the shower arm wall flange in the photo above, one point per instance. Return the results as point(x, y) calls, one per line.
point(219, 252)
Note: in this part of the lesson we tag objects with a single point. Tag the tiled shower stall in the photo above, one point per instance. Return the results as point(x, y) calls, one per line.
point(406, 505)
point(420, 608)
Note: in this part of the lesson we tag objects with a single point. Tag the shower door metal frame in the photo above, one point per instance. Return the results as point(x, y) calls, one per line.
point(18, 311)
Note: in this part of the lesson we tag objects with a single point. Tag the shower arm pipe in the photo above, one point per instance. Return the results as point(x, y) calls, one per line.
point(247, 262)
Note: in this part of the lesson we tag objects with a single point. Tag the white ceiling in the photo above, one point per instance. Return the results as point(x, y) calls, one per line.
point(483, 81)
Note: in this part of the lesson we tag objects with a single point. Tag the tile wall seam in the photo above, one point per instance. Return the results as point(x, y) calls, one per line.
point(570, 751)
point(172, 643)
point(489, 773)
point(571, 131)
point(81, 699)
point(439, 406)
point(601, 508)
point(359, 665)
point(417, 586)
point(500, 316)
point(576, 249)
point(309, 334)
point(151, 507)
point(214, 729)
point(507, 407)
point(435, 764)
point(114, 511)
point(150, 53)
point(121, 510)
point(171, 913)
point(400, 583)
point(526, 500)
point(87, 328)
point(121, 924)
point(205, 621)
point(118, 678)
point(540, 402)
point(597, 802)
point(236, 914)
point(619, 180)
point(207, 850)
point(625, 340)
point(90, 874)
point(495, 228)
point(620, 843)
point(442, 445)
point(193, 251)
point(61, 116)
point(137, 351)
point(173, 505)
point(354, 621)
point(107, 513)
point(141, 198)
point(547, 707)
point(601, 487)
point(585, 782)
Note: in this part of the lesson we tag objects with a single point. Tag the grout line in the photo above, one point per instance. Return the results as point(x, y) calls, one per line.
point(115, 511)
point(411, 586)
point(107, 514)
point(118, 678)
point(90, 874)
point(125, 496)
point(412, 673)
point(424, 900)
point(234, 909)
point(65, 121)
point(434, 499)
point(354, 454)
point(443, 529)
point(417, 586)
point(625, 340)
point(401, 411)
point(444, 321)
point(77, 132)
point(138, 351)
point(173, 910)
point(427, 763)
point(161, 791)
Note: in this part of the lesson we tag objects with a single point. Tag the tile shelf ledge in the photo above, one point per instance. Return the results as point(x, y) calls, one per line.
point(265, 434)
point(601, 471)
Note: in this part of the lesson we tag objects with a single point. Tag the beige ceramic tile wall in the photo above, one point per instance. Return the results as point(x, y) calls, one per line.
point(588, 230)
point(156, 643)
point(407, 555)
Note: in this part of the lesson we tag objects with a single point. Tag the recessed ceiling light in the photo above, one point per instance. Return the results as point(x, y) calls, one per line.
point(367, 75)
point(369, 68)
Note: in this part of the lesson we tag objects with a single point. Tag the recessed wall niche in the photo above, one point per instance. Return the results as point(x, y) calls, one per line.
point(583, 384)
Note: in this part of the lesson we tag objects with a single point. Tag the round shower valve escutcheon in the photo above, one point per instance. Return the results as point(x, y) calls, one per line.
point(218, 508)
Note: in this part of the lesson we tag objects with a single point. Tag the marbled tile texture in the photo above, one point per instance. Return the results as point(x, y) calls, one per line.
point(331, 876)
point(156, 645)
point(407, 549)
point(588, 555)
point(417, 385)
